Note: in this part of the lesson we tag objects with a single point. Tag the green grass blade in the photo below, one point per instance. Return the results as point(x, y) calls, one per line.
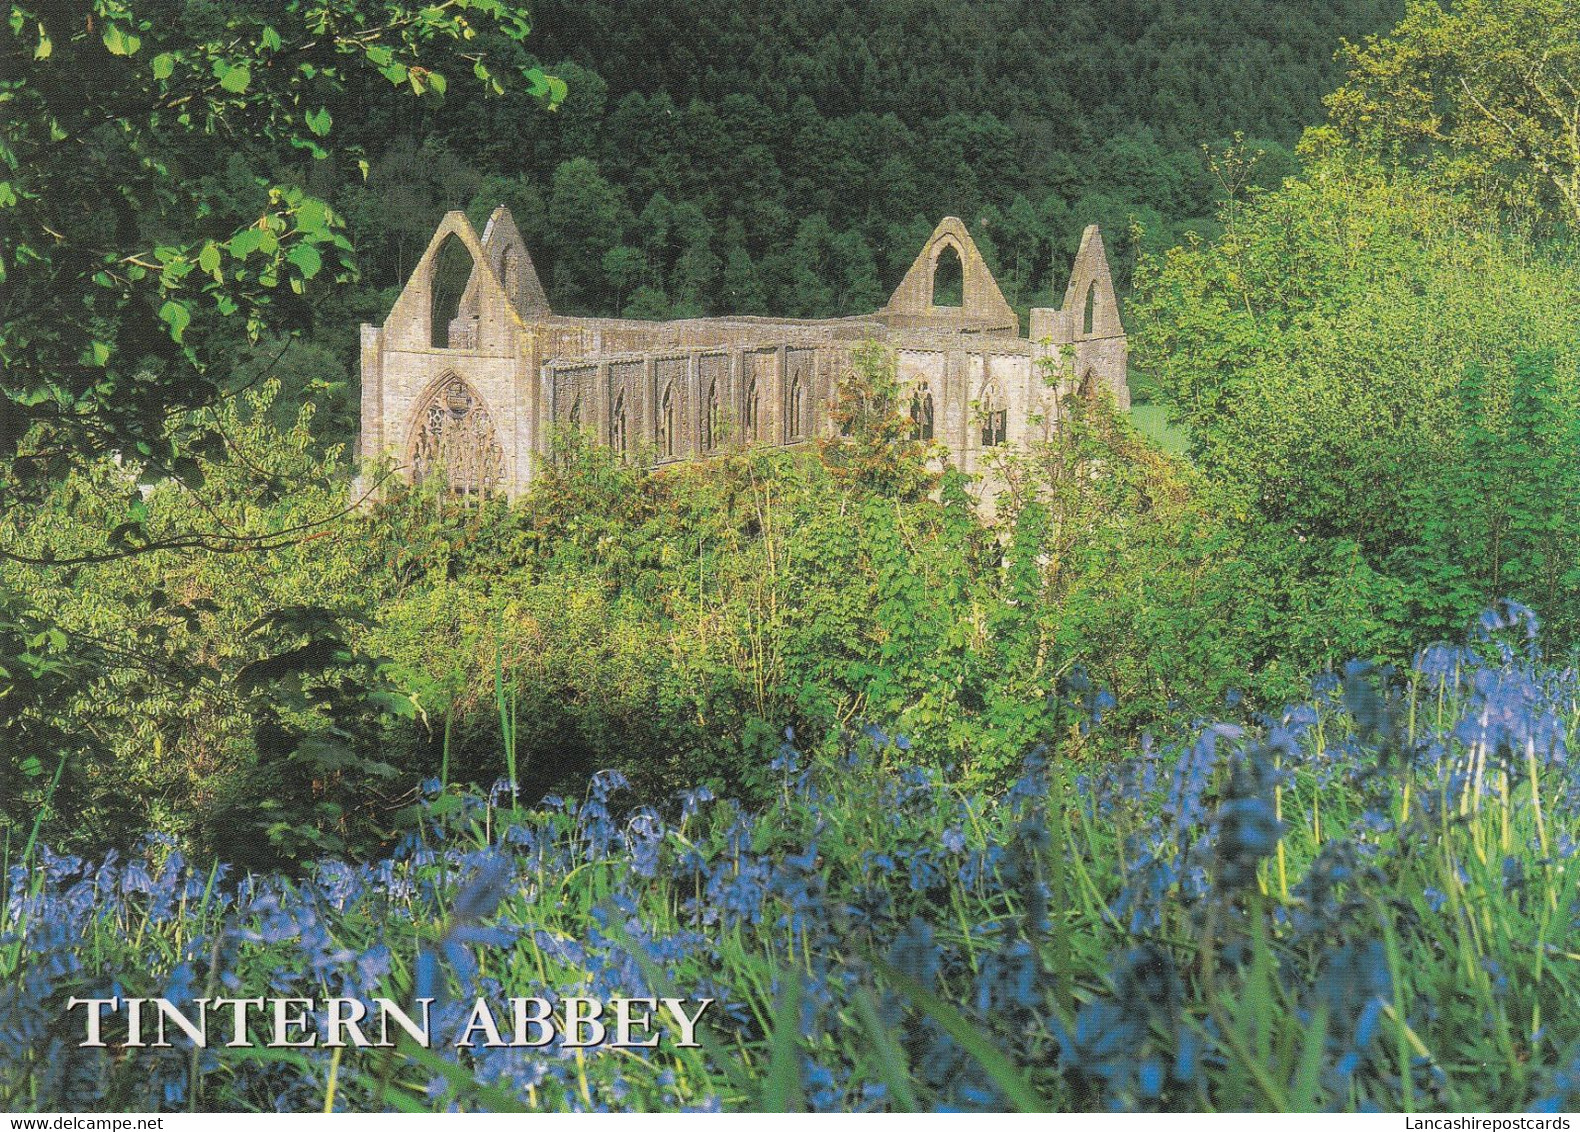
point(1009, 1080)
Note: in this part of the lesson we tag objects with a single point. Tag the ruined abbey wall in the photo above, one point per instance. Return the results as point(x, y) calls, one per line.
point(473, 386)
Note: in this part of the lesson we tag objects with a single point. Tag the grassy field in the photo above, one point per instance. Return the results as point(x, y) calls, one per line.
point(1153, 423)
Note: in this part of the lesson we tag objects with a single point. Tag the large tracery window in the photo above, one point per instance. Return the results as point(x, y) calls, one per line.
point(454, 440)
point(922, 414)
point(995, 421)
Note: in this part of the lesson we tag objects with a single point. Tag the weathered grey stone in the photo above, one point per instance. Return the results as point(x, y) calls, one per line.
point(480, 406)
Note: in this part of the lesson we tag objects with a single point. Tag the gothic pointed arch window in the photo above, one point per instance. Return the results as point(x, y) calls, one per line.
point(1088, 386)
point(749, 408)
point(574, 417)
point(666, 422)
point(453, 439)
point(949, 279)
point(712, 417)
point(995, 420)
point(617, 425)
point(797, 407)
point(922, 413)
point(1089, 318)
point(450, 327)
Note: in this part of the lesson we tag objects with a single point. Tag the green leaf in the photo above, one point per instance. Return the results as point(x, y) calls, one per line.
point(782, 1086)
point(437, 81)
point(164, 65)
point(45, 47)
point(319, 122)
point(208, 258)
point(119, 41)
point(306, 259)
point(395, 73)
point(7, 195)
point(245, 242)
point(234, 79)
point(312, 216)
point(177, 315)
point(271, 38)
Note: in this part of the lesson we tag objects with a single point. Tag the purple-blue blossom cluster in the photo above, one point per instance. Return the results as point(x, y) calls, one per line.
point(1329, 906)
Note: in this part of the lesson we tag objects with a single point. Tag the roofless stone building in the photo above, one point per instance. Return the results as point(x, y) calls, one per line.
point(469, 380)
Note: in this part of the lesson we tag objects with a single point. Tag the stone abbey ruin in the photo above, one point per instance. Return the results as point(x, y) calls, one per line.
point(470, 378)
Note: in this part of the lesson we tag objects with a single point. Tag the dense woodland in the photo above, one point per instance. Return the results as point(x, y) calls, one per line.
point(712, 157)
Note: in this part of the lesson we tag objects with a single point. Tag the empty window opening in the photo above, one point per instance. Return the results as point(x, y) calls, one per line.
point(750, 414)
point(450, 329)
point(617, 425)
point(1089, 319)
point(922, 414)
point(949, 280)
point(797, 407)
point(666, 422)
point(995, 422)
point(711, 418)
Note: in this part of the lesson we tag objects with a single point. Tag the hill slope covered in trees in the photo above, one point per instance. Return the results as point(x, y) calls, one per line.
point(715, 156)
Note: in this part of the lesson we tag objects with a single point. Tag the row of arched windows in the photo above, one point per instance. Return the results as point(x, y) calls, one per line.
point(713, 418)
point(994, 415)
point(454, 435)
point(923, 413)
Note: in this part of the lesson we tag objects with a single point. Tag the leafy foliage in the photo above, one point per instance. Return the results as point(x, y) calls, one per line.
point(218, 695)
point(1485, 93)
point(670, 624)
point(1386, 482)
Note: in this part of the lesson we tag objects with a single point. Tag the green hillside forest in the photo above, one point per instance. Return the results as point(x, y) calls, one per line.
point(1226, 767)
